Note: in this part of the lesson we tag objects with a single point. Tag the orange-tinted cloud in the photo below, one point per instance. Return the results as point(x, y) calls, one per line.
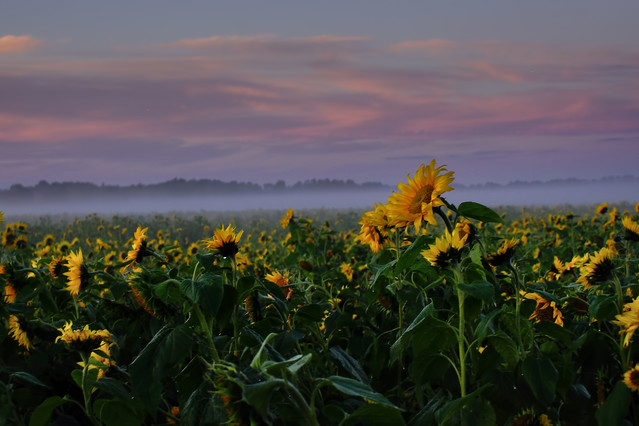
point(16, 44)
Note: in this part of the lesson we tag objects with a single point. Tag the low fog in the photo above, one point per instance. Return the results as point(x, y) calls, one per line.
point(516, 195)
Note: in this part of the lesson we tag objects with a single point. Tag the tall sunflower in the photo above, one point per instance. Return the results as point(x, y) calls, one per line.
point(84, 339)
point(628, 320)
point(286, 219)
point(138, 250)
point(504, 253)
point(415, 201)
point(77, 275)
point(225, 241)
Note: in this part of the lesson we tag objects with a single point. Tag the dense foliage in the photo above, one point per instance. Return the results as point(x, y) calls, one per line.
point(467, 317)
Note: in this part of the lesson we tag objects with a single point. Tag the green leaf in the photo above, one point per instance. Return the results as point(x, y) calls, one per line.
point(259, 395)
point(484, 325)
point(478, 211)
point(615, 408)
point(398, 347)
point(349, 363)
point(42, 412)
point(382, 269)
point(23, 375)
point(114, 412)
point(412, 253)
point(207, 292)
point(469, 410)
point(482, 290)
point(260, 357)
point(602, 307)
point(506, 348)
point(113, 387)
point(244, 286)
point(541, 377)
point(374, 414)
point(356, 388)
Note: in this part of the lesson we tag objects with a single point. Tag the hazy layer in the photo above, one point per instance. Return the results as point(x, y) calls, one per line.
point(530, 195)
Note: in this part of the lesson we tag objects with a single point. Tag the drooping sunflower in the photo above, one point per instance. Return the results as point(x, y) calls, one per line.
point(631, 378)
point(415, 201)
point(598, 269)
point(446, 249)
point(78, 274)
point(281, 280)
point(225, 241)
point(18, 332)
point(504, 253)
point(286, 219)
point(628, 320)
point(631, 229)
point(546, 310)
point(84, 339)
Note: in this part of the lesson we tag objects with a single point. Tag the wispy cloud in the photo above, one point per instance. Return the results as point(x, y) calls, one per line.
point(323, 95)
point(16, 44)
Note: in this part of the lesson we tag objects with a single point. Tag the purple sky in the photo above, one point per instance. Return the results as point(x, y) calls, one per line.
point(124, 92)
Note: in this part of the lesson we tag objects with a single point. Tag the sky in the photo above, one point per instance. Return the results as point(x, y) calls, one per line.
point(123, 92)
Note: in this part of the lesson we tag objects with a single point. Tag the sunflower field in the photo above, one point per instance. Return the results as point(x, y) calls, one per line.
point(417, 312)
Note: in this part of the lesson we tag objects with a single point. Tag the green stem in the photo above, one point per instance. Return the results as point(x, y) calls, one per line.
point(440, 212)
point(516, 285)
point(86, 393)
point(460, 343)
point(207, 332)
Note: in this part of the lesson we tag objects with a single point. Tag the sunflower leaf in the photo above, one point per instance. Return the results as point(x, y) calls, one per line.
point(478, 211)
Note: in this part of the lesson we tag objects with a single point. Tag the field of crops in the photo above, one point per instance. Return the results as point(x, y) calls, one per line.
point(416, 312)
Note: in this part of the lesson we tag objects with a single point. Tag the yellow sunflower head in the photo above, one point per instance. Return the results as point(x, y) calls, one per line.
point(415, 201)
point(374, 228)
point(281, 280)
point(225, 241)
point(78, 274)
point(598, 269)
point(631, 378)
point(504, 253)
point(286, 219)
point(84, 339)
point(546, 310)
point(17, 330)
point(602, 208)
point(631, 229)
point(446, 249)
point(55, 266)
point(628, 320)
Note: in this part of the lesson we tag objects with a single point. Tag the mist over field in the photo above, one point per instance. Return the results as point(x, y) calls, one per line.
point(518, 194)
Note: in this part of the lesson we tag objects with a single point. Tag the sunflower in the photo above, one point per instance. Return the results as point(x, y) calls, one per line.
point(17, 331)
point(225, 241)
point(602, 208)
point(628, 320)
point(83, 339)
point(631, 229)
point(504, 253)
point(282, 281)
point(374, 230)
point(192, 250)
point(598, 269)
point(446, 248)
point(347, 270)
point(631, 378)
point(545, 310)
point(55, 266)
point(1, 216)
point(138, 250)
point(286, 219)
point(415, 201)
point(77, 275)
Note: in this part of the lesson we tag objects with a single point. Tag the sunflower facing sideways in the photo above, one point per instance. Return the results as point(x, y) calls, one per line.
point(416, 200)
point(225, 241)
point(446, 249)
point(77, 275)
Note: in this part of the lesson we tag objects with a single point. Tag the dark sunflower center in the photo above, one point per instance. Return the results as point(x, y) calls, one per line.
point(228, 249)
point(424, 194)
point(634, 378)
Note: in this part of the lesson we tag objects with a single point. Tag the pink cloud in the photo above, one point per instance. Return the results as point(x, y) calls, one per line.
point(15, 44)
